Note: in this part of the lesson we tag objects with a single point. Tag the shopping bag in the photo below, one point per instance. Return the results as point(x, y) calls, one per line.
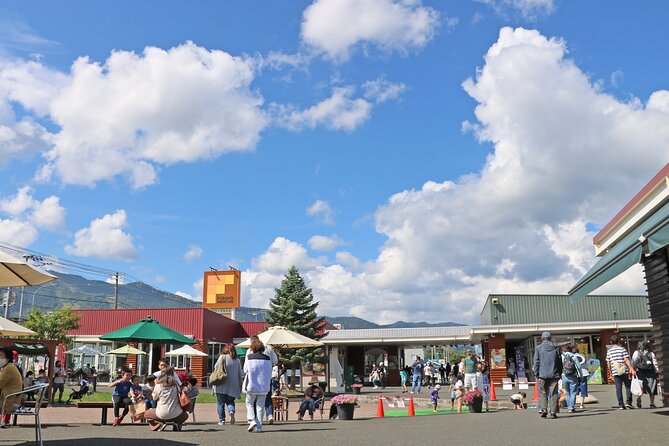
point(636, 387)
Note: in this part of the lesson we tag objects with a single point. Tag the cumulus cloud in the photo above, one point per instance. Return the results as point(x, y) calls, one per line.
point(104, 238)
point(336, 27)
point(322, 211)
point(27, 215)
point(324, 243)
point(194, 252)
point(528, 9)
point(565, 155)
point(381, 90)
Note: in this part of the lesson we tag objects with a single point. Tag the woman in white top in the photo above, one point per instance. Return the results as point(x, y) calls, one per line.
point(645, 364)
point(166, 393)
point(582, 387)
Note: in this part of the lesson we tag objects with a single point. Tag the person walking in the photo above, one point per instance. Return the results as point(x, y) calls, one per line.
point(511, 369)
point(274, 358)
point(256, 385)
point(231, 388)
point(404, 375)
point(428, 372)
point(547, 370)
point(417, 375)
point(582, 390)
point(645, 364)
point(571, 374)
point(618, 359)
point(58, 382)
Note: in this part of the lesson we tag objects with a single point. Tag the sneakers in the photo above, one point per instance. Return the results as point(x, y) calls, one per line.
point(553, 416)
point(543, 414)
point(270, 419)
point(221, 423)
point(621, 407)
point(653, 406)
point(629, 406)
point(571, 411)
point(252, 426)
point(232, 418)
point(5, 425)
point(638, 403)
point(117, 421)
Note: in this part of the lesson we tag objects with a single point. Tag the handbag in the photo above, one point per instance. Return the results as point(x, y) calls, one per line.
point(184, 400)
point(219, 374)
point(620, 368)
point(635, 386)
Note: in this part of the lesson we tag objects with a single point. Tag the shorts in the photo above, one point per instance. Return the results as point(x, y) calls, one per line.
point(452, 395)
point(515, 402)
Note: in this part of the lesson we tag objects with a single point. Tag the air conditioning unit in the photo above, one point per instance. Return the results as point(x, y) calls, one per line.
point(495, 300)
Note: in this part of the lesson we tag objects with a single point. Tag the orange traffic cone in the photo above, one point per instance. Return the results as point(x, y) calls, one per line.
point(493, 394)
point(536, 390)
point(379, 408)
point(412, 410)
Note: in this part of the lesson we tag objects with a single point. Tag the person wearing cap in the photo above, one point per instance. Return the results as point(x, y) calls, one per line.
point(547, 371)
point(311, 397)
point(434, 397)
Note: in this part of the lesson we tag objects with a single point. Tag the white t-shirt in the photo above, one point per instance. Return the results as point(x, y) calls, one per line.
point(459, 384)
point(176, 377)
point(58, 375)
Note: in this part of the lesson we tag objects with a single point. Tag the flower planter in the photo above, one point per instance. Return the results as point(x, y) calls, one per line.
point(356, 390)
point(345, 411)
point(477, 405)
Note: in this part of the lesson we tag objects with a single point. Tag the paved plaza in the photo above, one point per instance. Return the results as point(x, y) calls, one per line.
point(598, 424)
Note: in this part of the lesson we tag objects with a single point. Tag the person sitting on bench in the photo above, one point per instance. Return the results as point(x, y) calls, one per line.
point(311, 396)
point(121, 397)
point(168, 409)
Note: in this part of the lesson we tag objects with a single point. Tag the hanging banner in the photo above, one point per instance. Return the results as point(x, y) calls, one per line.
point(594, 367)
point(520, 362)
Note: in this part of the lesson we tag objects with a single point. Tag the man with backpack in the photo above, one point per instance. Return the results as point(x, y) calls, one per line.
point(571, 374)
point(547, 370)
point(645, 364)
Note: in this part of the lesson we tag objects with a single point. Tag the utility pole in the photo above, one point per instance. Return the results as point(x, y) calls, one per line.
point(116, 291)
point(21, 306)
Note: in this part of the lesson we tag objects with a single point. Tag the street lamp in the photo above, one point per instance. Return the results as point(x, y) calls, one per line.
point(32, 306)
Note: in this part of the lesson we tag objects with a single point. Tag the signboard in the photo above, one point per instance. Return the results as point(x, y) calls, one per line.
point(523, 384)
point(222, 289)
point(498, 356)
point(594, 367)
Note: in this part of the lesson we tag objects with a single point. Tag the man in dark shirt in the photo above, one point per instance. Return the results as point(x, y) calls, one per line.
point(417, 374)
point(547, 371)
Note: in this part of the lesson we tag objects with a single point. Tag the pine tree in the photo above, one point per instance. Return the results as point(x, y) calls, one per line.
point(293, 307)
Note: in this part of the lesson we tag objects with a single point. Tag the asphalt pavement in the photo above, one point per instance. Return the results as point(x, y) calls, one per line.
point(598, 424)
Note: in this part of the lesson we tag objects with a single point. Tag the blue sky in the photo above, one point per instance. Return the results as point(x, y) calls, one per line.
point(409, 163)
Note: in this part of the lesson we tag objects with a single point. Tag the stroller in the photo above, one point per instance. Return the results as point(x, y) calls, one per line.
point(79, 394)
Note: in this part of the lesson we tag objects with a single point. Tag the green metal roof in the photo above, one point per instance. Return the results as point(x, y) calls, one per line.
point(627, 252)
point(531, 308)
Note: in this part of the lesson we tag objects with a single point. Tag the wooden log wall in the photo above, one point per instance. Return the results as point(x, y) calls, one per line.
point(656, 267)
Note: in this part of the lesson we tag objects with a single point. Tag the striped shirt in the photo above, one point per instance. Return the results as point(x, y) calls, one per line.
point(616, 354)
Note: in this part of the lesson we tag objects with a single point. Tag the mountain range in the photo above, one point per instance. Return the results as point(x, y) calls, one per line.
point(80, 292)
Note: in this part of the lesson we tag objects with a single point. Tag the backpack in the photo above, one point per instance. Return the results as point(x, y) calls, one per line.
point(219, 374)
point(568, 366)
point(644, 361)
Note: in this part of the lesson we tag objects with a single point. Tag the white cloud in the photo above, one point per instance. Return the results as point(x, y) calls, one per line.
point(341, 111)
point(185, 295)
point(528, 9)
point(281, 255)
point(336, 27)
point(381, 90)
point(565, 156)
point(322, 211)
point(104, 238)
point(131, 114)
point(27, 214)
point(194, 252)
point(324, 243)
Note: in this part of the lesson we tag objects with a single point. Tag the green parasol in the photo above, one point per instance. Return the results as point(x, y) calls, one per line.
point(147, 330)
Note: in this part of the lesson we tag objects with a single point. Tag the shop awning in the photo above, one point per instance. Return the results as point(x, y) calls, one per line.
point(654, 231)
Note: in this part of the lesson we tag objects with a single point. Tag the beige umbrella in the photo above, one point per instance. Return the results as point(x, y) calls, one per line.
point(13, 330)
point(126, 350)
point(281, 337)
point(16, 272)
point(186, 350)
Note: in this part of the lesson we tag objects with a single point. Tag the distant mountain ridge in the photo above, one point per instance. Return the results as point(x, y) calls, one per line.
point(97, 294)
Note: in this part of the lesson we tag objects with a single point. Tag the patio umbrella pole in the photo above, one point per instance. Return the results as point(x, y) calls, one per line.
point(150, 365)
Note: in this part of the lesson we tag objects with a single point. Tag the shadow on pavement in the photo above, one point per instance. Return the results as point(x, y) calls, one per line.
point(111, 442)
point(662, 412)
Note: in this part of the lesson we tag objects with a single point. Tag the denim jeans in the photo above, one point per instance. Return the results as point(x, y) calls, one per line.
point(583, 386)
point(222, 401)
point(269, 406)
point(416, 382)
point(620, 380)
point(570, 383)
point(307, 405)
point(548, 394)
point(255, 409)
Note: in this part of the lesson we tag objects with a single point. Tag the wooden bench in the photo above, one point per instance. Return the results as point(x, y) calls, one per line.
point(104, 405)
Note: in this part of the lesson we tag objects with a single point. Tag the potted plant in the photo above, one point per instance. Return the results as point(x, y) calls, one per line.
point(345, 405)
point(356, 388)
point(474, 399)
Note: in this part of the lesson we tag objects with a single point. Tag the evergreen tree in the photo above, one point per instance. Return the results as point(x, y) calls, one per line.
point(293, 307)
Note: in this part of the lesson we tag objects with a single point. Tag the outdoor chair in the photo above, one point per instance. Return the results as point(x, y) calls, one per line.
point(191, 410)
point(280, 405)
point(320, 403)
point(19, 410)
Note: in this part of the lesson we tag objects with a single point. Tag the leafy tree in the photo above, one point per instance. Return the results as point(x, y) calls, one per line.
point(54, 325)
point(293, 307)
